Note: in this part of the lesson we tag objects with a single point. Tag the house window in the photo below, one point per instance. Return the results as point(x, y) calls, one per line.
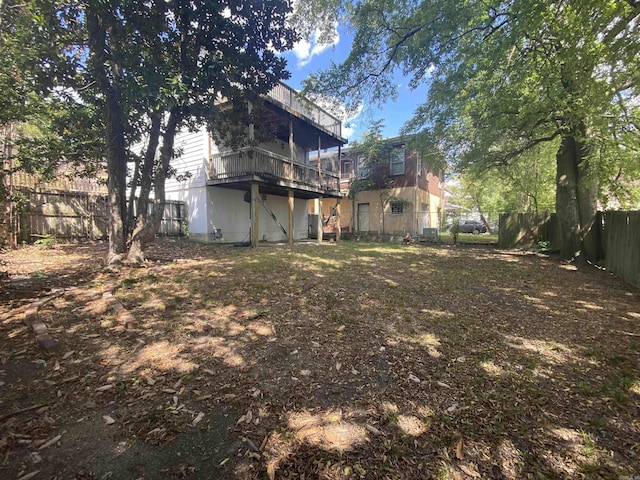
point(397, 208)
point(346, 169)
point(361, 169)
point(397, 161)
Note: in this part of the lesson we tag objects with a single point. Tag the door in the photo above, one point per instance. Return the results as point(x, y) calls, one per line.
point(425, 215)
point(363, 217)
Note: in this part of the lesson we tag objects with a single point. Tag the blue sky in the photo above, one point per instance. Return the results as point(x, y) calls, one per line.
point(308, 57)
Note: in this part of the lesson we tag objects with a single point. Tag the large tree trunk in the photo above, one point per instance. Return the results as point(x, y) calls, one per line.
point(148, 223)
point(576, 195)
point(588, 201)
point(116, 152)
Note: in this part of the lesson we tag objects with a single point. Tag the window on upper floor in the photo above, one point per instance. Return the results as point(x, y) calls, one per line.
point(396, 164)
point(362, 170)
point(346, 169)
point(397, 208)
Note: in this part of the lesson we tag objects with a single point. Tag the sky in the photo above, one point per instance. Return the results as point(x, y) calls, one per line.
point(308, 57)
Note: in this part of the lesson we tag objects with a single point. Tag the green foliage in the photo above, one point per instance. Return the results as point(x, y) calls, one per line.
point(374, 154)
point(48, 240)
point(526, 184)
point(506, 78)
point(543, 246)
point(101, 77)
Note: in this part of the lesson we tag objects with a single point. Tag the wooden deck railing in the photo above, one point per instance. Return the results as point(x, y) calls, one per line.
point(292, 99)
point(257, 161)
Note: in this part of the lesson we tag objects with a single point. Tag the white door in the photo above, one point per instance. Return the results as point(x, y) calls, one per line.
point(363, 217)
point(425, 216)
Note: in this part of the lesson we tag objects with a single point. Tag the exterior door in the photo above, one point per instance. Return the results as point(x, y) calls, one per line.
point(425, 215)
point(363, 217)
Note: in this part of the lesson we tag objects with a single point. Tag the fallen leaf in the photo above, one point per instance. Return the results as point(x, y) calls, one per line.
point(470, 470)
point(68, 354)
point(338, 366)
point(341, 328)
point(443, 385)
point(103, 388)
point(108, 419)
point(198, 419)
point(48, 443)
point(250, 444)
point(373, 429)
point(271, 471)
point(29, 476)
point(459, 452)
point(413, 378)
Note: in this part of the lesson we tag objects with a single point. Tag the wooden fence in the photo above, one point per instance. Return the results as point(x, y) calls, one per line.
point(616, 233)
point(621, 244)
point(79, 215)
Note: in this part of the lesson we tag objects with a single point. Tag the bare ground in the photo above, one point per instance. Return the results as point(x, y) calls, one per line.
point(348, 361)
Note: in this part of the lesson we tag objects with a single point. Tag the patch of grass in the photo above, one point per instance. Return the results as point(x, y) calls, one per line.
point(618, 385)
point(41, 275)
point(46, 241)
point(586, 390)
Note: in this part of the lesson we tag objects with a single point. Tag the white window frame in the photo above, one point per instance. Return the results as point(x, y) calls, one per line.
point(396, 162)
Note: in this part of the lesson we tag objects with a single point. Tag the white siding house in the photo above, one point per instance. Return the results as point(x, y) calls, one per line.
point(258, 193)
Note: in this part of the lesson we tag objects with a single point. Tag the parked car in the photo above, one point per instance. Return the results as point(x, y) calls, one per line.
point(472, 226)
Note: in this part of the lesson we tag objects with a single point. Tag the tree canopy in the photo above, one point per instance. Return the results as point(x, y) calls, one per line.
point(149, 69)
point(506, 77)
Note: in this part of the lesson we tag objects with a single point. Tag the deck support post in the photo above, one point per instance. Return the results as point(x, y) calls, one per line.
point(338, 222)
point(290, 229)
point(255, 232)
point(320, 223)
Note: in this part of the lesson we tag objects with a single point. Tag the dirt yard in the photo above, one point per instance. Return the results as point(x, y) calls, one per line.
point(351, 361)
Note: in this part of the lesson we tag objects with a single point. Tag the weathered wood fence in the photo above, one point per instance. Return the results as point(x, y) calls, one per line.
point(621, 244)
point(79, 215)
point(616, 233)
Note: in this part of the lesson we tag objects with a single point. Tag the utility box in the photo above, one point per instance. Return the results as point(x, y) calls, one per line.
point(430, 234)
point(313, 226)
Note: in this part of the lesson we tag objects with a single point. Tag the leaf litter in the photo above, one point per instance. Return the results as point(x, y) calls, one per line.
point(405, 367)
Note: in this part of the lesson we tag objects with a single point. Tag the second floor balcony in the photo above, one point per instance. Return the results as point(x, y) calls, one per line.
point(254, 164)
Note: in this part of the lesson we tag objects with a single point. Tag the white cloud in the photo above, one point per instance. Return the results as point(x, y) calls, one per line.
point(350, 124)
point(306, 49)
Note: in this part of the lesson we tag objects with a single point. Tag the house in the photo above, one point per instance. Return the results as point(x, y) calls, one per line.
point(259, 192)
point(413, 201)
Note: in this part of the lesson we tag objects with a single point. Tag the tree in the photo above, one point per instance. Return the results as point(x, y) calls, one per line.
point(152, 69)
point(504, 78)
point(374, 153)
point(39, 127)
point(526, 184)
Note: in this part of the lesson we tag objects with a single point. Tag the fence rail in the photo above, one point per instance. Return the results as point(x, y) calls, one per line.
point(79, 215)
